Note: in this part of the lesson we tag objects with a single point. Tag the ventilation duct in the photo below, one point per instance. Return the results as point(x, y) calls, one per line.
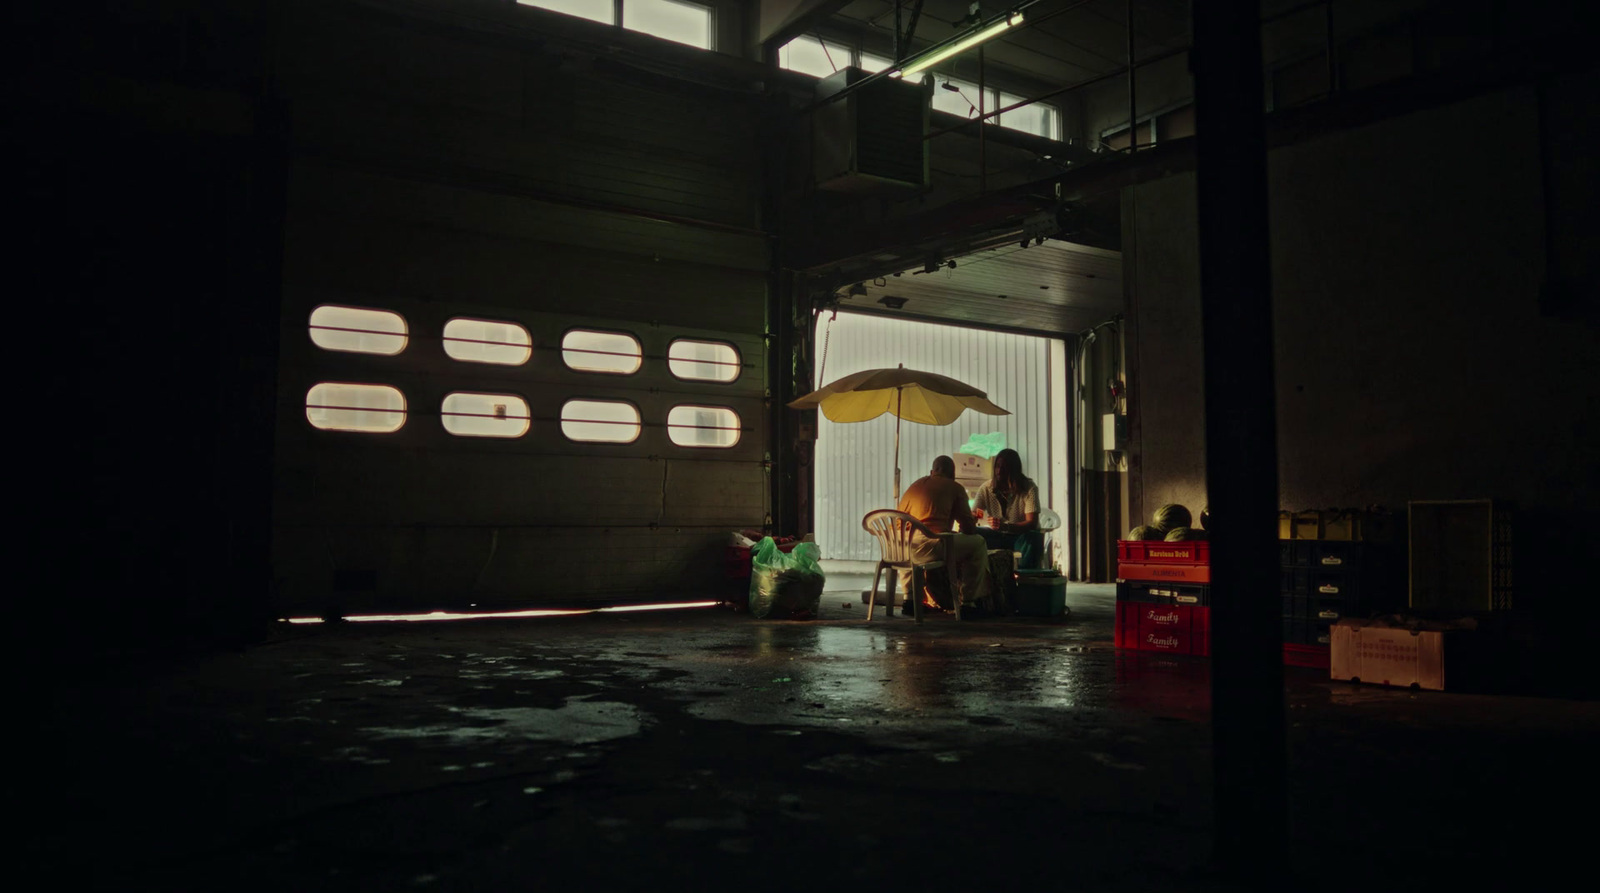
point(870, 141)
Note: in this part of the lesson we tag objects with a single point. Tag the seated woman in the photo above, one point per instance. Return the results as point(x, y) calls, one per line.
point(1010, 503)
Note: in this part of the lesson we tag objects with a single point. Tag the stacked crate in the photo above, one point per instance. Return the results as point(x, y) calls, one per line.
point(1460, 556)
point(1334, 564)
point(1164, 596)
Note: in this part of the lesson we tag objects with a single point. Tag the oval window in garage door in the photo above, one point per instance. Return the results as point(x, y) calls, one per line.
point(487, 341)
point(713, 427)
point(347, 406)
point(469, 414)
point(600, 421)
point(590, 350)
point(358, 330)
point(703, 360)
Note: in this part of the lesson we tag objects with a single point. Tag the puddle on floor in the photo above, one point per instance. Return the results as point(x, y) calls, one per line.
point(576, 722)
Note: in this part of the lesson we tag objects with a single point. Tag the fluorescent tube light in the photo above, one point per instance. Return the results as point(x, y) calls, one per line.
point(960, 46)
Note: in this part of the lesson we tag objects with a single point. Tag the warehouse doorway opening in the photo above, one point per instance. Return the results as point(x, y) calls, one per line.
point(854, 462)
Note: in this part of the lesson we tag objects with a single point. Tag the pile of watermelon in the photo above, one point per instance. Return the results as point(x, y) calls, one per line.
point(1171, 523)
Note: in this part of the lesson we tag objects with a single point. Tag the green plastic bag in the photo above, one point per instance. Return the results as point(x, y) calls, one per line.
point(984, 446)
point(785, 584)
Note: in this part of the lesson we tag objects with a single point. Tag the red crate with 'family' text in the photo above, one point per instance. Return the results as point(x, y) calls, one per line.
point(1174, 629)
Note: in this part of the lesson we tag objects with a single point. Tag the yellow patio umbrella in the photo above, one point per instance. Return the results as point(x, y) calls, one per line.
point(923, 397)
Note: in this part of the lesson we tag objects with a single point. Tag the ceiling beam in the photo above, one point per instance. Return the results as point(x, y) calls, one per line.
point(850, 249)
point(780, 21)
point(902, 41)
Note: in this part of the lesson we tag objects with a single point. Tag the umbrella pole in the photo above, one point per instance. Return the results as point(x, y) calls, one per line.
point(897, 394)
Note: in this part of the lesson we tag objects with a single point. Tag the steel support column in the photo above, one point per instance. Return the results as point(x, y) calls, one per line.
point(1241, 442)
point(1133, 77)
point(899, 35)
point(983, 143)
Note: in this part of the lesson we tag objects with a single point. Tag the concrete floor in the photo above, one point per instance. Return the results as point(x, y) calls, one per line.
point(706, 750)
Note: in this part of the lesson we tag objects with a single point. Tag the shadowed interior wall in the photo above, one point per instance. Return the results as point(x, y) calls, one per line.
point(1415, 359)
point(1169, 385)
point(149, 188)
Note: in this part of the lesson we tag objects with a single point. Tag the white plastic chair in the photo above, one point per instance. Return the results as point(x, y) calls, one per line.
point(895, 532)
point(1048, 521)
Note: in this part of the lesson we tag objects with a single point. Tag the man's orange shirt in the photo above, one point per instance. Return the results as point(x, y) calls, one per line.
point(935, 501)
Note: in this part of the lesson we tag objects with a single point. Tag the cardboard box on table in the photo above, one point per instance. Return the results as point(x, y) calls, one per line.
point(972, 472)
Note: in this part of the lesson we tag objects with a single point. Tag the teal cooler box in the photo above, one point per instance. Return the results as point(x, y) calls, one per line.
point(1041, 593)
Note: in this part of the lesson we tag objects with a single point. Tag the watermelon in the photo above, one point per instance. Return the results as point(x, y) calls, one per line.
point(1146, 533)
point(1171, 516)
point(1182, 534)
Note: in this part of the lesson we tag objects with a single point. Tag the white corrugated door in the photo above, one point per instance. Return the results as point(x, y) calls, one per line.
point(855, 467)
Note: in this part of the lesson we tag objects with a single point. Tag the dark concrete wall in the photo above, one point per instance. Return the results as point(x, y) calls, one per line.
point(1167, 388)
point(1415, 357)
point(198, 175)
point(1160, 86)
point(1412, 358)
point(147, 225)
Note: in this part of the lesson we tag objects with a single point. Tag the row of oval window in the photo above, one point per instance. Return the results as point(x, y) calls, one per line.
point(384, 332)
point(381, 409)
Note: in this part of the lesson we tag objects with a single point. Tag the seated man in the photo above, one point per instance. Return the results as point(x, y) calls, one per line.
point(941, 503)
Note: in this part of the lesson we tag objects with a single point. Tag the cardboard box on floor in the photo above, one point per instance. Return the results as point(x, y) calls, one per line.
point(972, 472)
point(1396, 651)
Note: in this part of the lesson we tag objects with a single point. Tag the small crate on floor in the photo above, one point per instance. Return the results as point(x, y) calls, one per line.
point(1040, 594)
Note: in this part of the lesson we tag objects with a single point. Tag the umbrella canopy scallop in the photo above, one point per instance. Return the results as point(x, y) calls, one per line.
point(924, 397)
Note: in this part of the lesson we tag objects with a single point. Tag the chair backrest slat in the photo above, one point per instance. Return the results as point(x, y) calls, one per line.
point(894, 532)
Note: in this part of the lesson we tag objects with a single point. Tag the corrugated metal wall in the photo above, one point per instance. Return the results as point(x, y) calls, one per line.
point(855, 462)
point(439, 172)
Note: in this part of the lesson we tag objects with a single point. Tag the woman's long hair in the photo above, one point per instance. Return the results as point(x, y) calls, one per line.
point(1007, 475)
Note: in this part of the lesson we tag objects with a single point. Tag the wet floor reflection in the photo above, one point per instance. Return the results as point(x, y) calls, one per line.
point(1163, 686)
point(852, 672)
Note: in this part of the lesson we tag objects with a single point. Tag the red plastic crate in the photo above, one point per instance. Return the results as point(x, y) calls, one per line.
point(1153, 552)
point(1176, 629)
point(1161, 592)
point(1173, 629)
point(1126, 631)
point(1314, 656)
point(736, 559)
point(1168, 573)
